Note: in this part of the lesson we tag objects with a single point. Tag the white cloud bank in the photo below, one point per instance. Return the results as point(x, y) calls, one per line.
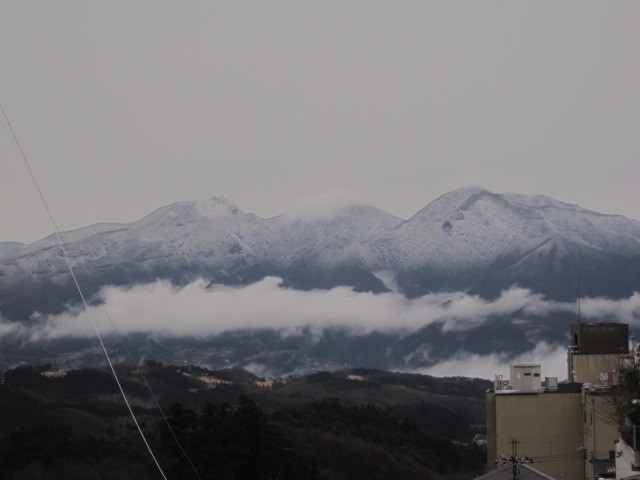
point(552, 358)
point(199, 311)
point(195, 310)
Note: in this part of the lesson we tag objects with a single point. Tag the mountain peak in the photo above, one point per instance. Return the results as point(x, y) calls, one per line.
point(326, 206)
point(6, 248)
point(216, 207)
point(468, 191)
point(538, 201)
point(449, 202)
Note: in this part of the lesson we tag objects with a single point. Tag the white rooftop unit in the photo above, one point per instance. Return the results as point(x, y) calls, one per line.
point(525, 377)
point(551, 384)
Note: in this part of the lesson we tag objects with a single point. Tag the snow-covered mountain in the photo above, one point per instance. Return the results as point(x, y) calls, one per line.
point(9, 247)
point(355, 235)
point(472, 238)
point(469, 239)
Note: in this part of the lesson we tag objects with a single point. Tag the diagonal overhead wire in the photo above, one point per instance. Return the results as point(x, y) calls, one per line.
point(62, 245)
point(155, 399)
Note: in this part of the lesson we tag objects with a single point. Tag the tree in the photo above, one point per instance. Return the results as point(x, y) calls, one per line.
point(224, 442)
point(624, 396)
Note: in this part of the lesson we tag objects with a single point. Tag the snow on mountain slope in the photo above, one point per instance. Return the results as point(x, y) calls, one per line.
point(468, 239)
point(468, 227)
point(597, 230)
point(212, 230)
point(208, 233)
point(358, 235)
point(475, 227)
point(7, 248)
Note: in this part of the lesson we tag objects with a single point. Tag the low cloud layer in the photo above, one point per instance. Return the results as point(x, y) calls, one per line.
point(200, 311)
point(195, 310)
point(552, 358)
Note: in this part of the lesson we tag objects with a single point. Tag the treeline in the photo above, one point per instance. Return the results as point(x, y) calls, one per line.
point(377, 426)
point(76, 426)
point(226, 442)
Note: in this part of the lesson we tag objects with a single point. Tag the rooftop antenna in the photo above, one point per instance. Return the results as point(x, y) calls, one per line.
point(573, 341)
point(579, 295)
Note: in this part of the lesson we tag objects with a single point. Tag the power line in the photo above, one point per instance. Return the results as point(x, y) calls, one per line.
point(62, 245)
point(514, 460)
point(155, 399)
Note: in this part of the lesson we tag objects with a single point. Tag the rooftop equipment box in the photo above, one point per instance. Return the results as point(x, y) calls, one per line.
point(525, 377)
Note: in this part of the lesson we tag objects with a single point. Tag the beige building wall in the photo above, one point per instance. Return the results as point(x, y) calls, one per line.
point(548, 427)
point(597, 369)
point(598, 420)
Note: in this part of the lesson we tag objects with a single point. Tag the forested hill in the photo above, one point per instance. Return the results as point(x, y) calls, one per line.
point(357, 423)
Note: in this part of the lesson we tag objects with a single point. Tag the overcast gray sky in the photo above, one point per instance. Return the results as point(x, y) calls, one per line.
point(126, 106)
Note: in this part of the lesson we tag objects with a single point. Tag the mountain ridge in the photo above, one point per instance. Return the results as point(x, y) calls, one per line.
point(6, 248)
point(470, 239)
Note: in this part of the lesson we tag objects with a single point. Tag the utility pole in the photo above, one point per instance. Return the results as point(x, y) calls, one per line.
point(514, 460)
point(514, 456)
point(583, 456)
point(593, 434)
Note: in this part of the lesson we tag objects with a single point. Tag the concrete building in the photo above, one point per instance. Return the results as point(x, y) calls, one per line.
point(567, 428)
point(596, 352)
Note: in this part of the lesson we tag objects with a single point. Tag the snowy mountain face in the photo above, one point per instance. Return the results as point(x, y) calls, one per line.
point(356, 235)
point(480, 227)
point(468, 239)
point(487, 242)
point(9, 247)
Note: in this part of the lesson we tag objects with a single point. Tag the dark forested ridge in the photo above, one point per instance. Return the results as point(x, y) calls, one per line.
point(233, 425)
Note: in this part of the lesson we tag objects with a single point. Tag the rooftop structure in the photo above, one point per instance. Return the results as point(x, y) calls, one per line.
point(567, 428)
point(600, 338)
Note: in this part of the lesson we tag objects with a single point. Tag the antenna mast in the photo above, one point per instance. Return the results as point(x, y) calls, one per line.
point(579, 295)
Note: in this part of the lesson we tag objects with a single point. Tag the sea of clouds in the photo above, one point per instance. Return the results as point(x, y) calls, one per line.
point(200, 310)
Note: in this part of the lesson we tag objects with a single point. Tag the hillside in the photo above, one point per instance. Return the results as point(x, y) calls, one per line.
point(6, 248)
point(325, 426)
